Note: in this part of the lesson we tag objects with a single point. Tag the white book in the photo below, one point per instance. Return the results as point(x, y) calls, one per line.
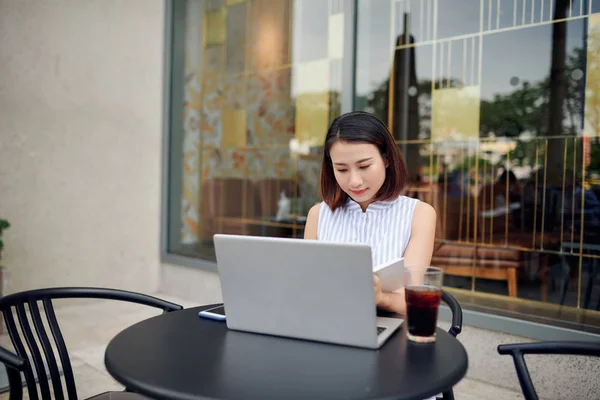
point(391, 275)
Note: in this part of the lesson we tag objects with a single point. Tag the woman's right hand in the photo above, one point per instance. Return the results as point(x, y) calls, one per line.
point(393, 302)
point(379, 295)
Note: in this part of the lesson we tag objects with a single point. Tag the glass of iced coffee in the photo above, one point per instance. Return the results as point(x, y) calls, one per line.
point(423, 292)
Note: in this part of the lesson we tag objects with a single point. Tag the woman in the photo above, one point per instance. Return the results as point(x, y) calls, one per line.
point(362, 177)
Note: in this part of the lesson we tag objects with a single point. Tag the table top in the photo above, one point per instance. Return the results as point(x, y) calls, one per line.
point(179, 355)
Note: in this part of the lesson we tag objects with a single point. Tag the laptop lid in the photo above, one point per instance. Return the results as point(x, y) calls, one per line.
point(298, 288)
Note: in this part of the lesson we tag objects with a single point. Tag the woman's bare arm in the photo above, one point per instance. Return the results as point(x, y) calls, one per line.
point(419, 250)
point(418, 253)
point(312, 222)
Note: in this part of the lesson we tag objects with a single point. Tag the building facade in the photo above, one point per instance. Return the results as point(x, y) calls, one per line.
point(494, 104)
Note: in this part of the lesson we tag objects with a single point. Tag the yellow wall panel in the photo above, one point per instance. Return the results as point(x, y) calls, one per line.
point(215, 27)
point(312, 101)
point(234, 122)
point(312, 117)
point(455, 113)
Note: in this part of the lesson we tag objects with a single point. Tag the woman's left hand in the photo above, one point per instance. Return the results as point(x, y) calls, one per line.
point(379, 295)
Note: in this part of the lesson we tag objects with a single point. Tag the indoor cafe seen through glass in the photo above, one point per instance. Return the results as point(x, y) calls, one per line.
point(494, 104)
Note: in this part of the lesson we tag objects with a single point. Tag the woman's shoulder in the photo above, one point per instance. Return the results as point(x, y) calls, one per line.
point(418, 209)
point(424, 212)
point(407, 199)
point(318, 211)
point(314, 211)
point(322, 208)
point(312, 222)
point(406, 202)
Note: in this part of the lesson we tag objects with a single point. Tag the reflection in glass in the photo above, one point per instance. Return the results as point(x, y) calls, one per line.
point(262, 82)
point(494, 108)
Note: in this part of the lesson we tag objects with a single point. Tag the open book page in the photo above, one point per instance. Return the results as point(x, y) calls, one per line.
point(391, 275)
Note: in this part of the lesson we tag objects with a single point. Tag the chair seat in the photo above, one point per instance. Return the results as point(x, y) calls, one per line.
point(487, 263)
point(467, 251)
point(118, 396)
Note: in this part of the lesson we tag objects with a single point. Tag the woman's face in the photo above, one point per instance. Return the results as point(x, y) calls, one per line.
point(359, 170)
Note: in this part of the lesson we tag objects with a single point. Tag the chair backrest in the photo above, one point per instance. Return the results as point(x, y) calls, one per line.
point(14, 365)
point(40, 347)
point(519, 350)
point(456, 310)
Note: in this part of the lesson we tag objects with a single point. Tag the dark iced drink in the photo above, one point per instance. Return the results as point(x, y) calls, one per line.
point(422, 304)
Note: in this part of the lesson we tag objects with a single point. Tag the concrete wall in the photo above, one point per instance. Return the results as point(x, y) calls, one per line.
point(194, 284)
point(80, 141)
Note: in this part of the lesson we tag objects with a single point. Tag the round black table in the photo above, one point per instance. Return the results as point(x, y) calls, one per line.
point(179, 355)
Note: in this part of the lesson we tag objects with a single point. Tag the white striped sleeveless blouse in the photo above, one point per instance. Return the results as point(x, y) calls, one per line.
point(385, 226)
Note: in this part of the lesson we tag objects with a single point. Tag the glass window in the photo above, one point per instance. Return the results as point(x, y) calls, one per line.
point(494, 104)
point(257, 83)
point(494, 108)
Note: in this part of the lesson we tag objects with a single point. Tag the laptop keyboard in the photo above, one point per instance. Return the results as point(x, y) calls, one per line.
point(380, 329)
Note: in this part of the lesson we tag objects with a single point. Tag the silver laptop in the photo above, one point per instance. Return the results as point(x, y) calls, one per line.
point(304, 289)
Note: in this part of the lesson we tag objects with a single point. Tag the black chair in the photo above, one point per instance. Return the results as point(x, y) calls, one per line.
point(518, 350)
point(14, 366)
point(455, 328)
point(457, 317)
point(14, 304)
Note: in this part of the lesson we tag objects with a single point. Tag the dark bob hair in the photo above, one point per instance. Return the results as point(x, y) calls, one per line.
point(362, 127)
